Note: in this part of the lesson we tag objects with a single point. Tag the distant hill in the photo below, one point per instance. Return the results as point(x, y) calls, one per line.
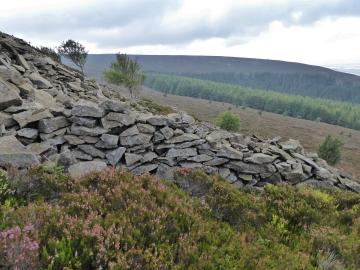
point(280, 76)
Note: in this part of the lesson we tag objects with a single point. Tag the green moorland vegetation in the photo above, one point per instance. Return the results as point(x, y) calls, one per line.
point(114, 220)
point(328, 111)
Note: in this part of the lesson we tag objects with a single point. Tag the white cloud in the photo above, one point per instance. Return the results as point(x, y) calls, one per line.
point(316, 31)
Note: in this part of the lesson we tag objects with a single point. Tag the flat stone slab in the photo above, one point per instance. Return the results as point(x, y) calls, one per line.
point(13, 153)
point(8, 96)
point(86, 167)
point(28, 117)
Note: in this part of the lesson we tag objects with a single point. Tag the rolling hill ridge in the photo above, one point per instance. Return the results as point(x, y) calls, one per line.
point(280, 76)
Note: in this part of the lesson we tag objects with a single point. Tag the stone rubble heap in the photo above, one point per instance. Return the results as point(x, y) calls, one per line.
point(49, 112)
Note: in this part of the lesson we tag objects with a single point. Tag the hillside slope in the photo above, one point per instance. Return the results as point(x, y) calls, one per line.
point(281, 76)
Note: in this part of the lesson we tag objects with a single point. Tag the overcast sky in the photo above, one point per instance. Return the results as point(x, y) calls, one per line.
point(323, 32)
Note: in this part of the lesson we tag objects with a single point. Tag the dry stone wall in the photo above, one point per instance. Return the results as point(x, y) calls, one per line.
point(49, 112)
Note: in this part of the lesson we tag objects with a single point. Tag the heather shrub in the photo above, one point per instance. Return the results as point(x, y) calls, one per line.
point(19, 248)
point(38, 182)
point(115, 220)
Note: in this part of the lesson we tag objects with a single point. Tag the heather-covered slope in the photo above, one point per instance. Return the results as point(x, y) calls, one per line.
point(114, 220)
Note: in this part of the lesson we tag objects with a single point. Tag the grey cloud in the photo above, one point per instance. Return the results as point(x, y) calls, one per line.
point(140, 22)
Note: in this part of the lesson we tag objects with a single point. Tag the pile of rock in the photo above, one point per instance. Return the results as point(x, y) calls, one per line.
point(49, 112)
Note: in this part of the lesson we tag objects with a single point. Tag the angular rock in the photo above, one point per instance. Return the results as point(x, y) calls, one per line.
point(224, 172)
point(186, 152)
point(109, 139)
point(13, 153)
point(200, 158)
point(73, 140)
point(27, 91)
point(158, 137)
point(159, 121)
point(81, 155)
point(47, 101)
point(246, 177)
point(46, 136)
point(90, 139)
point(190, 165)
point(6, 120)
point(292, 146)
point(130, 131)
point(186, 137)
point(352, 185)
point(229, 152)
point(113, 106)
point(115, 156)
point(167, 132)
point(296, 175)
point(121, 118)
point(165, 172)
point(27, 117)
point(216, 162)
point(135, 140)
point(91, 150)
point(85, 131)
point(143, 169)
point(29, 133)
point(131, 159)
point(260, 158)
point(189, 144)
point(218, 135)
point(50, 125)
point(21, 61)
point(83, 121)
point(39, 81)
point(85, 108)
point(86, 167)
point(8, 96)
point(148, 157)
point(242, 167)
point(38, 148)
point(145, 128)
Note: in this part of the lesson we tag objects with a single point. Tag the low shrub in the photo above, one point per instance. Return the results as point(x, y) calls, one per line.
point(228, 121)
point(115, 220)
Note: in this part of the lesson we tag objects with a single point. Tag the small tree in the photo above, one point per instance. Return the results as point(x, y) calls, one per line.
point(228, 121)
point(125, 72)
point(51, 53)
point(330, 150)
point(75, 52)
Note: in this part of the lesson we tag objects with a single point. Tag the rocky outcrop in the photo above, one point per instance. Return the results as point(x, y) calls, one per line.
point(49, 112)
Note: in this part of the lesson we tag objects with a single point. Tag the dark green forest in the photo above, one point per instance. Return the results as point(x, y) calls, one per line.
point(328, 111)
point(313, 85)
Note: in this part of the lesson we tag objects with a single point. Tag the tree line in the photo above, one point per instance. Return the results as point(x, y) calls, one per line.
point(305, 84)
point(328, 111)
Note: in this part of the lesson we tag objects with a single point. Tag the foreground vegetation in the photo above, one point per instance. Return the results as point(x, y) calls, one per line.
point(114, 220)
point(332, 112)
